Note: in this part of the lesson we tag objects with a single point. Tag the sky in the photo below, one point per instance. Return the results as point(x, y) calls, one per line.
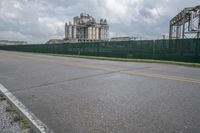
point(37, 21)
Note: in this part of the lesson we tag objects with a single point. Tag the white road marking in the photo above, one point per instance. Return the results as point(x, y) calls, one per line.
point(37, 125)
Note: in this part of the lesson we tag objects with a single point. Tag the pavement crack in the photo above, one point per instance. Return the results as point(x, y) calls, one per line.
point(64, 81)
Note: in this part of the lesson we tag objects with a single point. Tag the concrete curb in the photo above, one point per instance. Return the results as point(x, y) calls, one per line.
point(37, 125)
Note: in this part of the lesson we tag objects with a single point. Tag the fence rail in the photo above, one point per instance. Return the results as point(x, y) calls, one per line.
point(187, 50)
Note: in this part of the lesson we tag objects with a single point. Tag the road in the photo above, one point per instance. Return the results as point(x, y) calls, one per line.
point(73, 95)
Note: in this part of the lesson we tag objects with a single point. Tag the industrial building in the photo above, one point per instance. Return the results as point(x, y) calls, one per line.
point(185, 24)
point(118, 39)
point(61, 41)
point(86, 29)
point(7, 42)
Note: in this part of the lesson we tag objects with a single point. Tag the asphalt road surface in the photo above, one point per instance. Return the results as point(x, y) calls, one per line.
point(74, 95)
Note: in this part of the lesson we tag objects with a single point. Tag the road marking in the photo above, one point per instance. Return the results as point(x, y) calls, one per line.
point(63, 63)
point(37, 125)
point(135, 73)
point(153, 75)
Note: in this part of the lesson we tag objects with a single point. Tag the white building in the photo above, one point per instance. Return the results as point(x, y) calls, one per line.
point(85, 29)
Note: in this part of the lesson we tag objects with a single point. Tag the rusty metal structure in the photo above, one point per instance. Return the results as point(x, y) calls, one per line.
point(185, 24)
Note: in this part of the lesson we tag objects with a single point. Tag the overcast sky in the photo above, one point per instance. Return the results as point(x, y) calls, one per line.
point(36, 21)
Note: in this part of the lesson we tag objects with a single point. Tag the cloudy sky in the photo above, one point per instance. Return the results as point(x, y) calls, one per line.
point(36, 21)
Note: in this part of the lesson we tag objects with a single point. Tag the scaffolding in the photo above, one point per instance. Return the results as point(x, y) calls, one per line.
point(185, 24)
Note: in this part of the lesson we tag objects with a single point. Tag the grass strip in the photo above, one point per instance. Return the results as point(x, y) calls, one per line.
point(131, 60)
point(2, 97)
point(17, 118)
point(188, 64)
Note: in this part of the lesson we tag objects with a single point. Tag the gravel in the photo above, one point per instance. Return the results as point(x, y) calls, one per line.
point(7, 124)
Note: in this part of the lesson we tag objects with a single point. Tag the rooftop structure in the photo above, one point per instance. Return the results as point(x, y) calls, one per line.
point(185, 24)
point(86, 29)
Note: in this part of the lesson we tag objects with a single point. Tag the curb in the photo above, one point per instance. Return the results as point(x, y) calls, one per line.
point(37, 125)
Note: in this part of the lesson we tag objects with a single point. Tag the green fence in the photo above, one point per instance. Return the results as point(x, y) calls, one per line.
point(187, 50)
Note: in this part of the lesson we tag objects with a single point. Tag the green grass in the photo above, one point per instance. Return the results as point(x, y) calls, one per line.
point(197, 65)
point(23, 123)
point(131, 60)
point(17, 118)
point(2, 97)
point(10, 109)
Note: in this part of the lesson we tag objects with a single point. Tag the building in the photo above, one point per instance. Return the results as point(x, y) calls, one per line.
point(86, 29)
point(118, 39)
point(55, 41)
point(7, 42)
point(61, 41)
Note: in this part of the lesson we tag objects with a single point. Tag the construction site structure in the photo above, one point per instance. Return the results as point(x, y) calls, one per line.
point(86, 29)
point(185, 24)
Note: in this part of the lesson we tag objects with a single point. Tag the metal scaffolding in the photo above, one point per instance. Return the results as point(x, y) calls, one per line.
point(186, 24)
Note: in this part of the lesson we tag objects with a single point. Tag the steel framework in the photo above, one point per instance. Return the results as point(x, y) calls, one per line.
point(185, 24)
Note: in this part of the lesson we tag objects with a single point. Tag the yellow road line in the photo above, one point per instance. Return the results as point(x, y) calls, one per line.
point(135, 73)
point(153, 75)
point(80, 65)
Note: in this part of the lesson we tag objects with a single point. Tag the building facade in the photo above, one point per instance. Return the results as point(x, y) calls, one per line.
point(86, 29)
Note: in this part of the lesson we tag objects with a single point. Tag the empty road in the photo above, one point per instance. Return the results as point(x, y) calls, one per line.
point(72, 95)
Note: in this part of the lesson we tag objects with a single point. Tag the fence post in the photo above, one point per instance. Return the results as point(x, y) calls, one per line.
point(197, 50)
point(154, 45)
point(181, 47)
point(97, 49)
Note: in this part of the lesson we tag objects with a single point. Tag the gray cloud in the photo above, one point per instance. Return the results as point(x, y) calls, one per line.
point(36, 21)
